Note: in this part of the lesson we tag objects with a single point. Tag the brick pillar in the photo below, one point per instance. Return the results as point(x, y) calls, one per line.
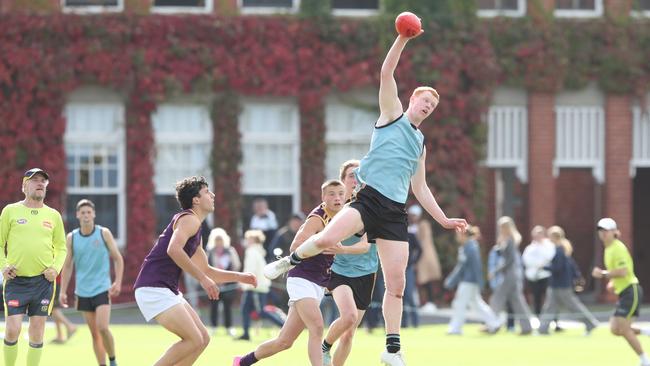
point(540, 9)
point(541, 151)
point(618, 153)
point(617, 8)
point(487, 222)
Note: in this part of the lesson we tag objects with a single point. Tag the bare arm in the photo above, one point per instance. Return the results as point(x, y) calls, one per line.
point(66, 272)
point(390, 106)
point(310, 227)
point(428, 202)
point(118, 262)
point(200, 259)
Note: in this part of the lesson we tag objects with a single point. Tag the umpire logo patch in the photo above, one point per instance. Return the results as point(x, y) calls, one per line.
point(13, 303)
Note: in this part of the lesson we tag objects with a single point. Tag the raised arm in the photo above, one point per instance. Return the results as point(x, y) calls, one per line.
point(118, 262)
point(428, 202)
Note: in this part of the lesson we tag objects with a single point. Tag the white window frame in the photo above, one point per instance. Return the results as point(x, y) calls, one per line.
point(639, 13)
point(181, 137)
point(265, 10)
point(207, 9)
point(641, 140)
point(596, 162)
point(492, 13)
point(117, 138)
point(581, 13)
point(520, 142)
point(348, 137)
point(252, 137)
point(92, 9)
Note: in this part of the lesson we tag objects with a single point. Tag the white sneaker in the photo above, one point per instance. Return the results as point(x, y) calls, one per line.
point(275, 269)
point(428, 309)
point(393, 359)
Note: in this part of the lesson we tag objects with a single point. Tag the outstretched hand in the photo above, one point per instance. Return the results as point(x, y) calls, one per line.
point(210, 288)
point(459, 225)
point(249, 279)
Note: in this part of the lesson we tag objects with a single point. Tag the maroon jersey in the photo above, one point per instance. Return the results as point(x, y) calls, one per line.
point(316, 269)
point(158, 269)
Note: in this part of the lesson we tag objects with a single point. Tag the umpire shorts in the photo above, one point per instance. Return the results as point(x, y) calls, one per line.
point(33, 296)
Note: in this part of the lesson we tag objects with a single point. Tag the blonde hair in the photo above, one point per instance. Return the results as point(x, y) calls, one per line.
point(509, 223)
point(557, 233)
point(255, 236)
point(347, 165)
point(538, 229)
point(215, 234)
point(331, 183)
point(422, 89)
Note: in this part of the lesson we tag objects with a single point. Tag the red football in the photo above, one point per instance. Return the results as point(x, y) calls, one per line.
point(408, 24)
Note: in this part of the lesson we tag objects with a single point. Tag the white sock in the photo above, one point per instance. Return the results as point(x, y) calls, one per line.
point(645, 331)
point(644, 358)
point(308, 248)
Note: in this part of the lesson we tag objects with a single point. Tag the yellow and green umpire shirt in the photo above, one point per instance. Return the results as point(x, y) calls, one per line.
point(617, 256)
point(32, 239)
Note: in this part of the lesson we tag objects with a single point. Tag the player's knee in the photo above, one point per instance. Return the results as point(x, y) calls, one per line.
point(324, 242)
point(206, 341)
point(103, 331)
point(616, 330)
point(348, 320)
point(395, 287)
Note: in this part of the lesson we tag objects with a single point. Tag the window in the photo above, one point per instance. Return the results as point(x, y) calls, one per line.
point(494, 8)
point(268, 6)
point(507, 132)
point(349, 128)
point(641, 136)
point(94, 146)
point(183, 134)
point(355, 7)
point(508, 139)
point(641, 8)
point(578, 8)
point(580, 139)
point(182, 6)
point(92, 6)
point(271, 148)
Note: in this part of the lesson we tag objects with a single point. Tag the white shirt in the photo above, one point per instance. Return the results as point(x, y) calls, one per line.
point(254, 262)
point(538, 255)
point(265, 222)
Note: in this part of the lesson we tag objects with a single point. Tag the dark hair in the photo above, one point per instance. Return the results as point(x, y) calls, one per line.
point(85, 202)
point(187, 189)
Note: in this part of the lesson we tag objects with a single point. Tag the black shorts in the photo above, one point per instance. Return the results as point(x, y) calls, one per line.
point(361, 287)
point(382, 217)
point(33, 296)
point(628, 302)
point(92, 303)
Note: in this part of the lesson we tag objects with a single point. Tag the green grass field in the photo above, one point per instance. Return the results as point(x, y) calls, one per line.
point(141, 345)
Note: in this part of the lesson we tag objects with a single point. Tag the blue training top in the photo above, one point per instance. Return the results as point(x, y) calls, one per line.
point(92, 263)
point(392, 160)
point(356, 265)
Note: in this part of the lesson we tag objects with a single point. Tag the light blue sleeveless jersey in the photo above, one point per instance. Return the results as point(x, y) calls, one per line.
point(356, 265)
point(392, 160)
point(92, 263)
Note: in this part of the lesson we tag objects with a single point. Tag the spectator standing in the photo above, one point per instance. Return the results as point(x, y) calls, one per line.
point(427, 269)
point(564, 271)
point(223, 256)
point(537, 256)
point(467, 275)
point(511, 289)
